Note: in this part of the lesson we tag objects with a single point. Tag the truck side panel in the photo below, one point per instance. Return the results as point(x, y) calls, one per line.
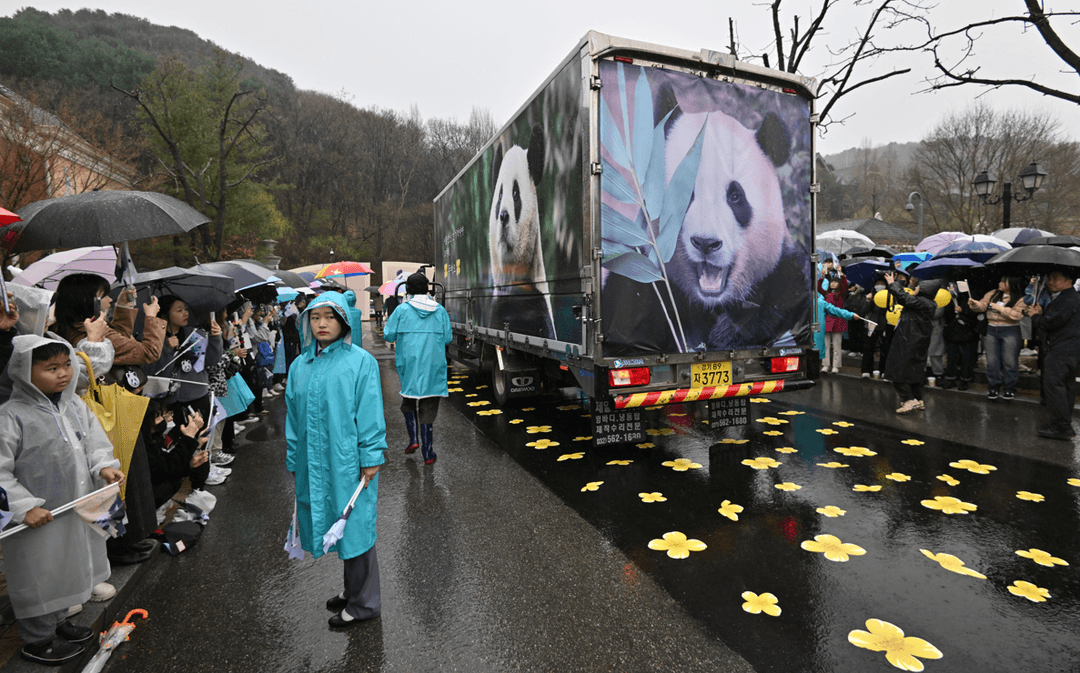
point(705, 213)
point(509, 229)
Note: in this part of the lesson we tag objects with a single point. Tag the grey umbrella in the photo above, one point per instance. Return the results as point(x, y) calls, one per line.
point(246, 274)
point(1061, 241)
point(101, 218)
point(290, 278)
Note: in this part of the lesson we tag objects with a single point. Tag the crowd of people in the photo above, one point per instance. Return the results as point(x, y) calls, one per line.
point(937, 336)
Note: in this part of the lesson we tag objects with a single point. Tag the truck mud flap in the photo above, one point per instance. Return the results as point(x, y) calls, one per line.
point(707, 393)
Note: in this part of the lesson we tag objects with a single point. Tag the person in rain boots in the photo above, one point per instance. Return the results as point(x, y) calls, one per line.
point(420, 328)
point(906, 366)
point(335, 435)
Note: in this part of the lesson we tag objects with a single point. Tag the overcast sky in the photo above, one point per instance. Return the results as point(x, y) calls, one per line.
point(448, 57)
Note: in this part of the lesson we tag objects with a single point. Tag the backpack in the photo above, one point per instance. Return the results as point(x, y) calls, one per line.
point(264, 356)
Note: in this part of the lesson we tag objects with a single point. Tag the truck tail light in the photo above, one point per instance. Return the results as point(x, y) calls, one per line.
point(781, 365)
point(637, 376)
point(624, 59)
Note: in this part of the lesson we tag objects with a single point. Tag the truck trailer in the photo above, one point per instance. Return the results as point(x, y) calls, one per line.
point(643, 229)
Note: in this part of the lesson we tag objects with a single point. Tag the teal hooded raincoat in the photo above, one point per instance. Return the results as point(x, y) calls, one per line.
point(421, 329)
point(334, 427)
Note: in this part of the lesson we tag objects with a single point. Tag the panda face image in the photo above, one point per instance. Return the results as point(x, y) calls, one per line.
point(514, 223)
point(734, 232)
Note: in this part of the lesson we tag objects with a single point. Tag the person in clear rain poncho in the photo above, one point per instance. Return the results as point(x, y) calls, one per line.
point(53, 450)
point(335, 433)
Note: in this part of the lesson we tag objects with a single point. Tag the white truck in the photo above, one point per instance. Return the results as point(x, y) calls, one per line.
point(643, 229)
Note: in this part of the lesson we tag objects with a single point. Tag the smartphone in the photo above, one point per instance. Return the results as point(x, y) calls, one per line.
point(97, 308)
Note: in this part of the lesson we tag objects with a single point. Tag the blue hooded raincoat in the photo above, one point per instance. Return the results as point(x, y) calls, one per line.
point(334, 426)
point(421, 329)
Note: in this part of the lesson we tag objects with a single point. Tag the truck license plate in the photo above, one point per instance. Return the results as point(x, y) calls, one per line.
point(710, 374)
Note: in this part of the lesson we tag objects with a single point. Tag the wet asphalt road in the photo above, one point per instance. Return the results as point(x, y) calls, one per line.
point(506, 556)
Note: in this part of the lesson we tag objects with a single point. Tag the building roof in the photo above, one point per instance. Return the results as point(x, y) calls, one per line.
point(879, 231)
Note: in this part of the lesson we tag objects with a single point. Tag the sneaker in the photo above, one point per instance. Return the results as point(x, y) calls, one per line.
point(267, 394)
point(919, 406)
point(222, 458)
point(102, 592)
point(223, 471)
point(278, 388)
point(52, 652)
point(1008, 395)
point(74, 610)
point(866, 375)
point(237, 428)
point(215, 479)
point(835, 370)
point(908, 407)
point(992, 394)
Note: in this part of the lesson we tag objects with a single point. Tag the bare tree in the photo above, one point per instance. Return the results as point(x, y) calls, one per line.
point(850, 54)
point(981, 138)
point(962, 69)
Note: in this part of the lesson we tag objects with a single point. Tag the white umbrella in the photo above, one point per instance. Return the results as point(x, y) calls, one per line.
point(1019, 235)
point(840, 241)
point(47, 271)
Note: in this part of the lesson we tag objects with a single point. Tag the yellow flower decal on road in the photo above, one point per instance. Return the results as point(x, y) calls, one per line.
point(772, 433)
point(832, 465)
point(948, 479)
point(951, 563)
point(827, 431)
point(762, 463)
point(898, 476)
point(481, 387)
point(833, 548)
point(973, 466)
point(661, 431)
point(681, 464)
point(788, 486)
point(580, 438)
point(901, 651)
point(1029, 591)
point(1042, 558)
point(454, 390)
point(652, 497)
point(730, 510)
point(471, 395)
point(572, 456)
point(489, 412)
point(1027, 495)
point(528, 409)
point(592, 486)
point(760, 400)
point(534, 429)
point(728, 440)
point(854, 451)
point(655, 407)
point(863, 488)
point(787, 449)
point(912, 442)
point(646, 445)
point(543, 444)
point(515, 421)
point(831, 511)
point(479, 403)
point(676, 545)
point(843, 424)
point(618, 462)
point(791, 413)
point(949, 505)
point(568, 407)
point(1074, 482)
point(756, 604)
point(772, 420)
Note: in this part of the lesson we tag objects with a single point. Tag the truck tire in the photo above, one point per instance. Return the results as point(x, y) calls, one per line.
point(500, 384)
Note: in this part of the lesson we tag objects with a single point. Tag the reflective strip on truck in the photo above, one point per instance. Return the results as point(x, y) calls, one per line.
point(697, 394)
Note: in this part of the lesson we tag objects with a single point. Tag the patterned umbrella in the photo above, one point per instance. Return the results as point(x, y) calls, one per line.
point(343, 269)
point(7, 217)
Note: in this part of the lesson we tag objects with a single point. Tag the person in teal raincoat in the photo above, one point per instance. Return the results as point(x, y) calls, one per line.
point(334, 431)
point(421, 329)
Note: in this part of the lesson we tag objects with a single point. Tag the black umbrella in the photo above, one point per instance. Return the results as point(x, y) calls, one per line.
point(244, 274)
point(876, 251)
point(290, 278)
point(1034, 259)
point(202, 291)
point(101, 218)
point(1062, 241)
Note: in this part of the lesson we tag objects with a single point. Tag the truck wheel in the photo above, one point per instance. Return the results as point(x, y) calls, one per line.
point(500, 385)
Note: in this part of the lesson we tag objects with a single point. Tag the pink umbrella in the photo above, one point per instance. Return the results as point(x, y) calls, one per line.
point(47, 271)
point(933, 244)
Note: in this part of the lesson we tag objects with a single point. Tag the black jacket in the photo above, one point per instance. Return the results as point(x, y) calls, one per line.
point(1061, 323)
point(911, 340)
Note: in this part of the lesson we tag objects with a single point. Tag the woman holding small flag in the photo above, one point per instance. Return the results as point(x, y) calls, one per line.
point(336, 436)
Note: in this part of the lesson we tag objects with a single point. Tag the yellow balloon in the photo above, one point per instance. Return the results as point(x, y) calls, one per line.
point(943, 298)
point(881, 298)
point(893, 316)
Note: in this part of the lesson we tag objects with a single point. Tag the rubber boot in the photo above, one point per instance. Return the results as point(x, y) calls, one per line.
point(410, 425)
point(426, 441)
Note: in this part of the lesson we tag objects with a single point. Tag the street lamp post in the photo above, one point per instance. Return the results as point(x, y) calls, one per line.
point(909, 207)
point(1032, 178)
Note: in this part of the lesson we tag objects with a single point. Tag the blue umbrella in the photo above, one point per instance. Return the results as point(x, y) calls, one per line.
point(945, 267)
point(286, 294)
point(906, 259)
point(863, 272)
point(977, 248)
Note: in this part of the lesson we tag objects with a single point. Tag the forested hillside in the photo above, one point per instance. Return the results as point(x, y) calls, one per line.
point(236, 140)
